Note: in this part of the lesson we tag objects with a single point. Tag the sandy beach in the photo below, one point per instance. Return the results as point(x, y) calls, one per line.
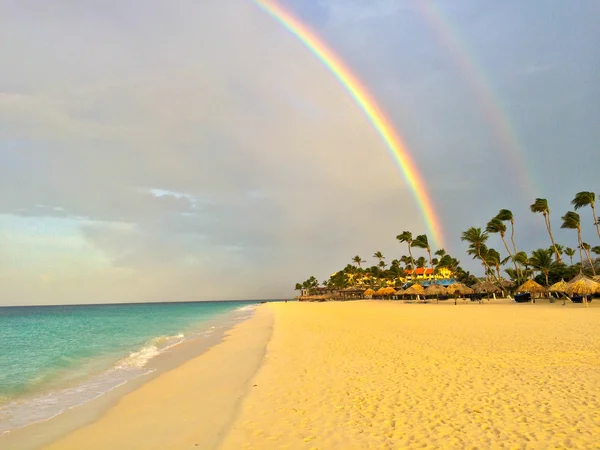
point(374, 374)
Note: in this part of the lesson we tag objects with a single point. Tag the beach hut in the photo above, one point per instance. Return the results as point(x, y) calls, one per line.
point(459, 289)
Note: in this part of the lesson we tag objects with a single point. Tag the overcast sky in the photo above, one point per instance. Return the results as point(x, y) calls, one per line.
point(196, 150)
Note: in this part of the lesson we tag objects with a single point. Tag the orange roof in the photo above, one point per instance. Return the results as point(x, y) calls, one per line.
point(420, 271)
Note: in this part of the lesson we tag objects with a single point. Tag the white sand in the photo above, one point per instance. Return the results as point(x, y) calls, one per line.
point(363, 375)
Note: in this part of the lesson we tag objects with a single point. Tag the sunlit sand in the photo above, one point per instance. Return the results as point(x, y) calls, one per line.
point(386, 375)
point(360, 375)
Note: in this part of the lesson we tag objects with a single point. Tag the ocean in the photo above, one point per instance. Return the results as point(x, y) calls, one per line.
point(56, 357)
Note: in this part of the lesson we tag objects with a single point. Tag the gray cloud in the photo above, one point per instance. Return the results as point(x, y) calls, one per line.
point(199, 151)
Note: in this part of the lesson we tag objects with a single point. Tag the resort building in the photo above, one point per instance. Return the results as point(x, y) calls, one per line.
point(426, 274)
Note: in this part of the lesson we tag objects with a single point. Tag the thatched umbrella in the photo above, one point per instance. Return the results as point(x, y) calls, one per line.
point(532, 287)
point(507, 284)
point(561, 286)
point(459, 288)
point(415, 289)
point(389, 291)
point(486, 287)
point(582, 285)
point(435, 289)
point(369, 293)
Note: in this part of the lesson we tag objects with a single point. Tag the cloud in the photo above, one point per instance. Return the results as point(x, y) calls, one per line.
point(199, 151)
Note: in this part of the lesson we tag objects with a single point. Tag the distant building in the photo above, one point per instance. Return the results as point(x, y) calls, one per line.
point(425, 274)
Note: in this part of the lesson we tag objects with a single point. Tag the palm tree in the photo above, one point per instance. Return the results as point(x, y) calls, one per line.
point(407, 261)
point(541, 260)
point(476, 238)
point(421, 262)
point(379, 256)
point(541, 206)
point(298, 287)
point(382, 265)
point(492, 258)
point(586, 199)
point(357, 260)
point(497, 226)
point(421, 241)
point(570, 253)
point(571, 221)
point(586, 248)
point(596, 250)
point(406, 236)
point(506, 215)
point(441, 253)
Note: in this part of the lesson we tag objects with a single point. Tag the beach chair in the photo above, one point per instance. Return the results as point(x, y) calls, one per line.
point(523, 298)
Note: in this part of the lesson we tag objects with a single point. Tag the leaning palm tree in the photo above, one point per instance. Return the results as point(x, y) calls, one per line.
point(421, 241)
point(570, 253)
point(541, 260)
point(506, 215)
point(571, 221)
point(586, 199)
point(421, 262)
point(586, 248)
point(406, 236)
point(541, 206)
point(497, 226)
point(476, 238)
point(357, 260)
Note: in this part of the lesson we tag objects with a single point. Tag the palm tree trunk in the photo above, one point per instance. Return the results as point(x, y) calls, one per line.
point(596, 219)
point(412, 260)
point(512, 235)
point(571, 258)
point(580, 251)
point(510, 254)
point(587, 253)
point(546, 274)
point(547, 217)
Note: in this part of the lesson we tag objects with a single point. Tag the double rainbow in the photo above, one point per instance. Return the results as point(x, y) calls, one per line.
point(369, 106)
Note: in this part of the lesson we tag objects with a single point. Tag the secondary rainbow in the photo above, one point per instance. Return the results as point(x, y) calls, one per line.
point(369, 106)
point(449, 37)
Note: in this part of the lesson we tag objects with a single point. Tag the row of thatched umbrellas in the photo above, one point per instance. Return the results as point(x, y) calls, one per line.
point(580, 285)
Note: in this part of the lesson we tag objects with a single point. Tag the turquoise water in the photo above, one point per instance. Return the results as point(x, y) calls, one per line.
point(55, 357)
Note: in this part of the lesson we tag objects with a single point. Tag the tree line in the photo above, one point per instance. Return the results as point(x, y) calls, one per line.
point(548, 265)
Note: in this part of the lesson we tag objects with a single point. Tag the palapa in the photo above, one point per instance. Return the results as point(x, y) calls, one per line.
point(435, 289)
point(380, 291)
point(389, 291)
point(460, 289)
point(532, 287)
point(369, 293)
point(582, 285)
point(561, 286)
point(485, 287)
point(415, 289)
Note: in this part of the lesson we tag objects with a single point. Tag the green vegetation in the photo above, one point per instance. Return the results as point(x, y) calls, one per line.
point(545, 264)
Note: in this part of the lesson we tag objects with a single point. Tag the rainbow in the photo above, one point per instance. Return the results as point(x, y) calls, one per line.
point(491, 104)
point(369, 106)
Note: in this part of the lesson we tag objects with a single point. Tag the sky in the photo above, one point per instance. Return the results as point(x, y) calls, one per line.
point(178, 151)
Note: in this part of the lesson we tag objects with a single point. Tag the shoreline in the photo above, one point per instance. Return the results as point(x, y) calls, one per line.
point(45, 432)
point(369, 374)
